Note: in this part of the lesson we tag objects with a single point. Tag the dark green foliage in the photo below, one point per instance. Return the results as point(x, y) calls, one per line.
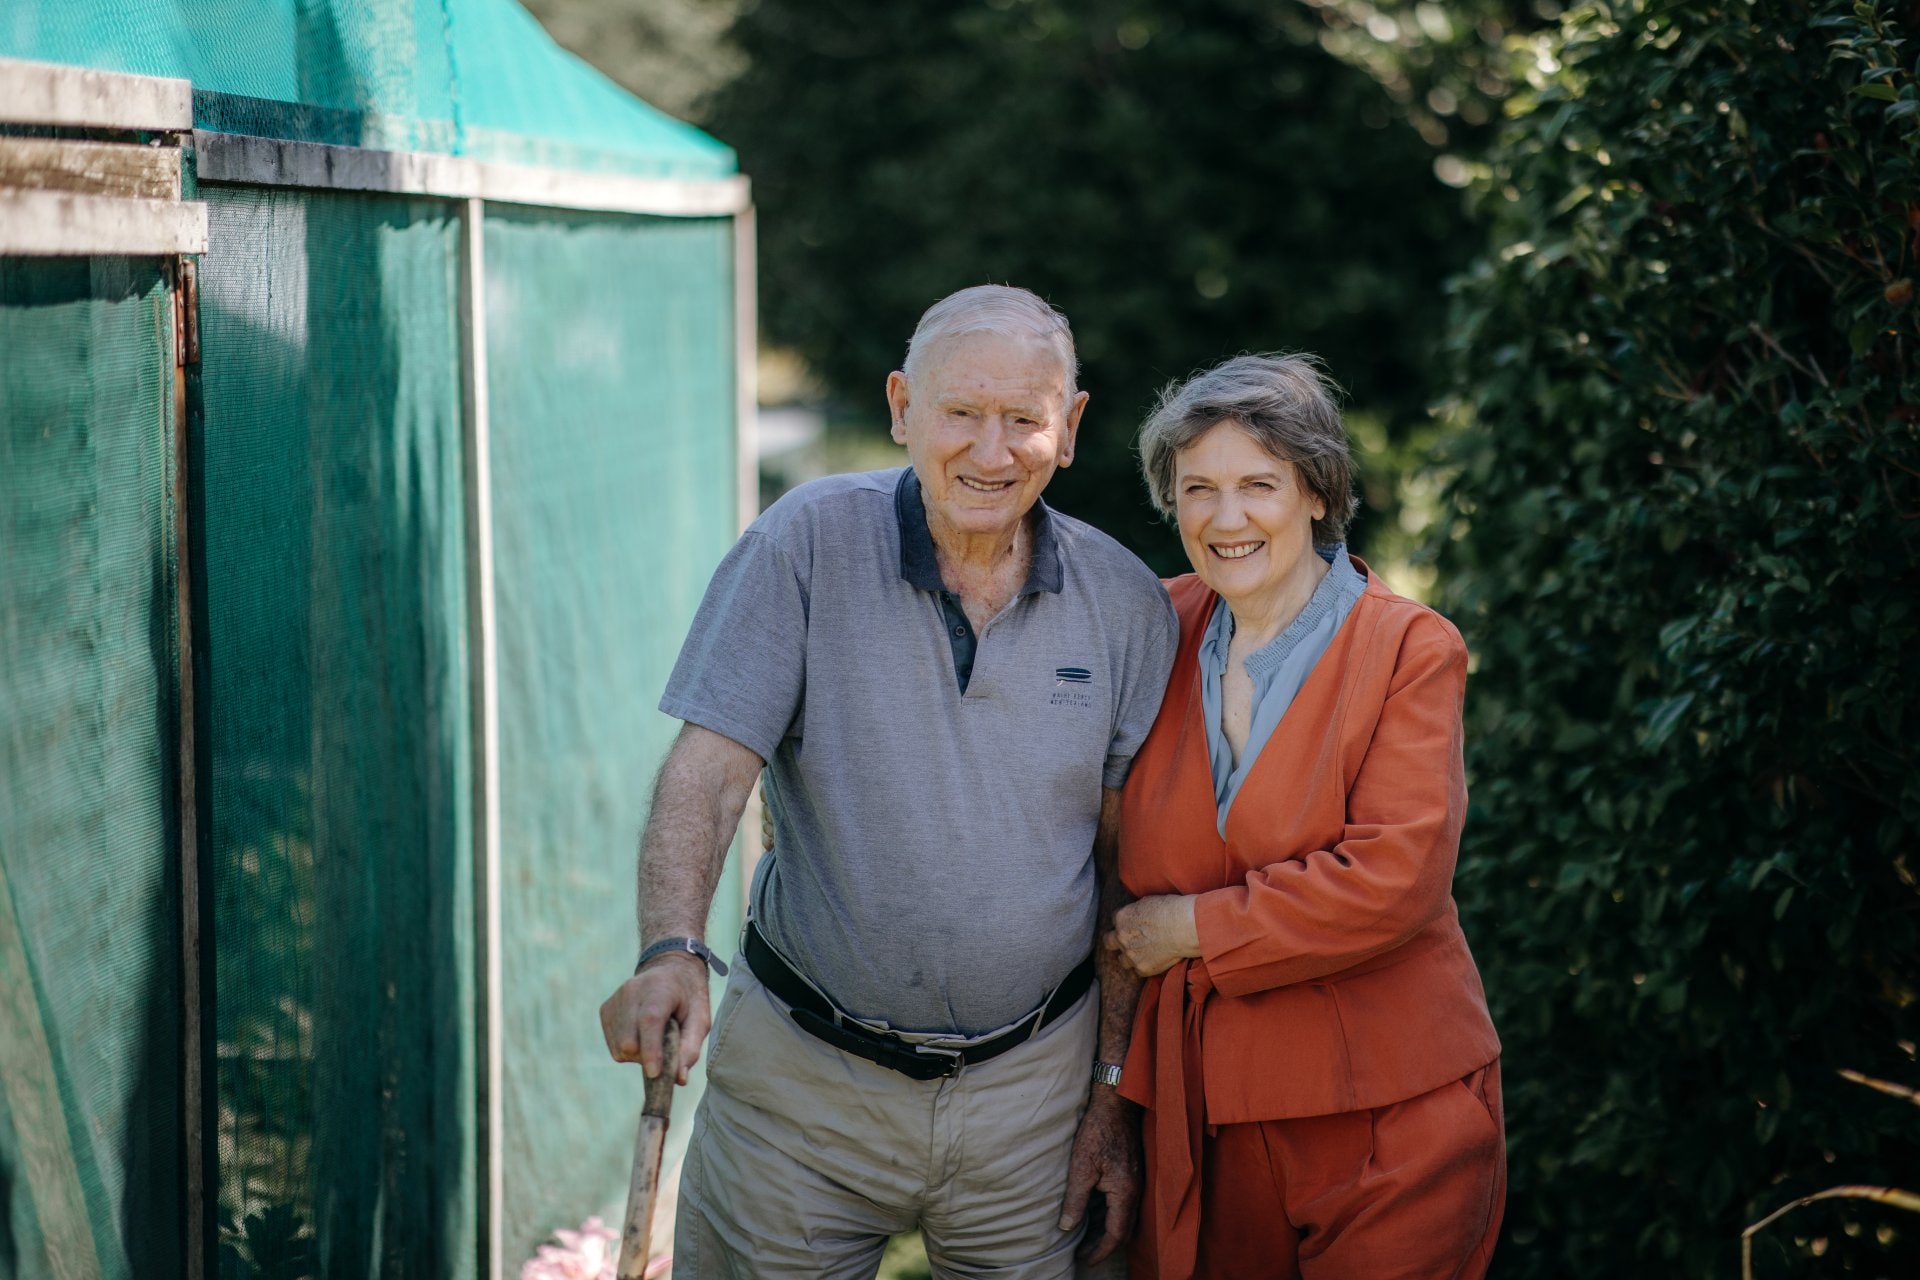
point(273, 1244)
point(1684, 542)
point(1186, 181)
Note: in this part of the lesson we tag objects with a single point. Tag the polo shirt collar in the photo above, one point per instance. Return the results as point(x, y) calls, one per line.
point(920, 568)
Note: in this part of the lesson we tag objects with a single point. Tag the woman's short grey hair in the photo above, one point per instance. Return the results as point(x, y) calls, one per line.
point(994, 308)
point(1285, 403)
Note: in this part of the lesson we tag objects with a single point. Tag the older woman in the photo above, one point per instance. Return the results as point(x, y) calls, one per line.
point(1313, 1047)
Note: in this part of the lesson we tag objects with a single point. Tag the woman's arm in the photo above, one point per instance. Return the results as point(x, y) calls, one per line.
point(1391, 874)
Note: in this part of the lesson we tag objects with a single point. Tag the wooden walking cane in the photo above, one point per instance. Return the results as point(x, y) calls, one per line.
point(637, 1235)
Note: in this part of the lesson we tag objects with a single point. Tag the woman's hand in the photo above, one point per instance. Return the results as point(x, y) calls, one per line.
point(1155, 932)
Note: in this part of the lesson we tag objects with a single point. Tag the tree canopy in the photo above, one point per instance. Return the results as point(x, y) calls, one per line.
point(1186, 181)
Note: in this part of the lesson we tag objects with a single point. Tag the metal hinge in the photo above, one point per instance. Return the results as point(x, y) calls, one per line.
point(186, 312)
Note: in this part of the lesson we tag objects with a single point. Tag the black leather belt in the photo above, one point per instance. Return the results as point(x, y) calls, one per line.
point(818, 1018)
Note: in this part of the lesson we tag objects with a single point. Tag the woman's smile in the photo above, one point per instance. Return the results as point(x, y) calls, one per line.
point(1247, 522)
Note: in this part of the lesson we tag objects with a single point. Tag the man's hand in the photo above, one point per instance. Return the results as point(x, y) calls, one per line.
point(634, 1018)
point(697, 799)
point(1155, 932)
point(1106, 1158)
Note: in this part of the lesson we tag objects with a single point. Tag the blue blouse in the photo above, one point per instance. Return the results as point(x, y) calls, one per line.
point(1278, 668)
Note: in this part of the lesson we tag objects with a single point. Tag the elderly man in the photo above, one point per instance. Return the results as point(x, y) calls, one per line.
point(945, 682)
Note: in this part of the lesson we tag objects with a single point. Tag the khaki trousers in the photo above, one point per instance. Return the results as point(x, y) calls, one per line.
point(805, 1159)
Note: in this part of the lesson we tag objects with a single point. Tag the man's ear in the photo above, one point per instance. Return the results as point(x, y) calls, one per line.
point(899, 392)
point(1074, 410)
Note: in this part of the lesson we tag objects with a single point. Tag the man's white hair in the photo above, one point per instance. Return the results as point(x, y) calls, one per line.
point(994, 308)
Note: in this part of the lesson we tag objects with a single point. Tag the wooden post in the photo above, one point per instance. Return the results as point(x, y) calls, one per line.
point(636, 1236)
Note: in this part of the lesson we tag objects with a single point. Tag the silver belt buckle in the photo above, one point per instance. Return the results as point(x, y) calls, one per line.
point(953, 1065)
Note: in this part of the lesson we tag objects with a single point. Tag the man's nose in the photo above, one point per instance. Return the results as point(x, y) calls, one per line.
point(992, 445)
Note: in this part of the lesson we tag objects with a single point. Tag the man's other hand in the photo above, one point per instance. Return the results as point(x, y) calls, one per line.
point(1106, 1159)
point(634, 1018)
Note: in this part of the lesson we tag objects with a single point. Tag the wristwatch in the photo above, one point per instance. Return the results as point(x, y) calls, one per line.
point(1106, 1073)
point(692, 946)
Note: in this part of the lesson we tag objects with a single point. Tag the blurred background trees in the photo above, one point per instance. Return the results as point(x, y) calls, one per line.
point(1184, 180)
point(1623, 296)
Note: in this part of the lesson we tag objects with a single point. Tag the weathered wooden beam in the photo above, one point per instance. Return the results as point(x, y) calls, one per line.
point(90, 168)
point(276, 162)
point(79, 97)
point(60, 223)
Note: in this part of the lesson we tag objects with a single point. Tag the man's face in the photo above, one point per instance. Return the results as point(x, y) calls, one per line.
point(986, 420)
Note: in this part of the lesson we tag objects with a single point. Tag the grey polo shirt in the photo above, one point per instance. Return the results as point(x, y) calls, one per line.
point(932, 865)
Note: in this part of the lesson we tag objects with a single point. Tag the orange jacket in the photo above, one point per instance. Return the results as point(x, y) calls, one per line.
point(1333, 976)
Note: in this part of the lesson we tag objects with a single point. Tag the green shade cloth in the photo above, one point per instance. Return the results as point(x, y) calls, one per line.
point(89, 838)
point(339, 719)
point(460, 77)
point(610, 380)
point(335, 777)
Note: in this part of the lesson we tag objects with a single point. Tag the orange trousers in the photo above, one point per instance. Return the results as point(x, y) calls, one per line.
point(1411, 1191)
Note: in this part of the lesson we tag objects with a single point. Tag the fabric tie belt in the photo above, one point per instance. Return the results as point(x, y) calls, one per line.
point(1179, 1103)
point(818, 1017)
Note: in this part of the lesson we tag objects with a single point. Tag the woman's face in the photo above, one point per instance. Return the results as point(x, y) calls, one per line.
point(1245, 519)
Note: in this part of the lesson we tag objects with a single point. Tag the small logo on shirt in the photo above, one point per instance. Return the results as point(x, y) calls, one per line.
point(1070, 687)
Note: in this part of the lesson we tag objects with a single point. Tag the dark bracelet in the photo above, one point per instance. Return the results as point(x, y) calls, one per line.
point(692, 946)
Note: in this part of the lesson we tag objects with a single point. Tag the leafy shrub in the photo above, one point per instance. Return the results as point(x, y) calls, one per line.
point(1684, 541)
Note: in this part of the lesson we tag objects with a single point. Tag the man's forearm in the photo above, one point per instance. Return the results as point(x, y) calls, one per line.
point(1119, 984)
point(697, 801)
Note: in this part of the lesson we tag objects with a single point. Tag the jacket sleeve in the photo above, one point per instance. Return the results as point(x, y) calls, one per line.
point(1391, 874)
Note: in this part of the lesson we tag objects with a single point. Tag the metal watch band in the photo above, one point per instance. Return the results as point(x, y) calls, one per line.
point(692, 946)
point(1106, 1073)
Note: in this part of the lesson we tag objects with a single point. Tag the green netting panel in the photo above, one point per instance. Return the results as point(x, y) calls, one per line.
point(610, 373)
point(89, 849)
point(462, 77)
point(339, 718)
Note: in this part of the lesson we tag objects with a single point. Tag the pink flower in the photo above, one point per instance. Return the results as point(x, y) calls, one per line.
point(591, 1253)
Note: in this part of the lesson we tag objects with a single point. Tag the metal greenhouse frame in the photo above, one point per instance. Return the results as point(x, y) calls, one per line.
point(318, 549)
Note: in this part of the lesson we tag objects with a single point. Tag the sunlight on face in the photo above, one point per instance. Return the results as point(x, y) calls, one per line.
point(1245, 519)
point(986, 421)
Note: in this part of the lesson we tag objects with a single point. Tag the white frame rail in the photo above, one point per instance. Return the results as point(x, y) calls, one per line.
point(74, 198)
